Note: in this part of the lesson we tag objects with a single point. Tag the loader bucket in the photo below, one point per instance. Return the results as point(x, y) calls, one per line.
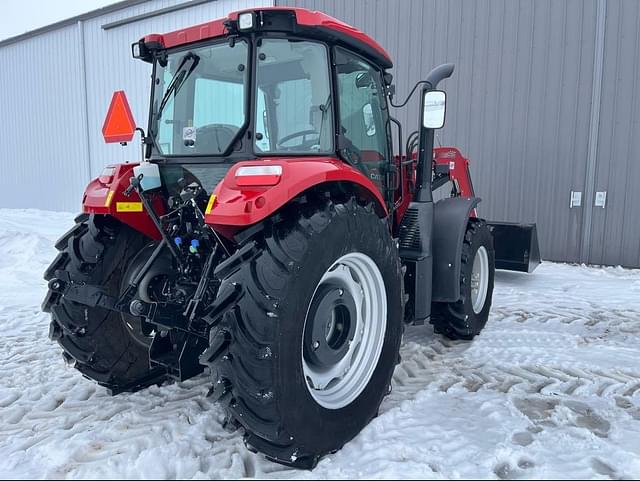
point(516, 246)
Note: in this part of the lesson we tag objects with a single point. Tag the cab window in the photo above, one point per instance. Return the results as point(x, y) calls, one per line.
point(363, 115)
point(293, 98)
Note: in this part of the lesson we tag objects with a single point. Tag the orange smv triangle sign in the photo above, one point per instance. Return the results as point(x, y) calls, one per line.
point(119, 125)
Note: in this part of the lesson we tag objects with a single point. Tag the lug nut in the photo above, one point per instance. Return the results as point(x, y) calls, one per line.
point(136, 308)
point(316, 345)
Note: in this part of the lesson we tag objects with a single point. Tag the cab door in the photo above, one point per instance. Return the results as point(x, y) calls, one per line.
point(363, 136)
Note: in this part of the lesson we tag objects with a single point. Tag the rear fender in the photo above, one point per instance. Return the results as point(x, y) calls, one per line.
point(105, 196)
point(235, 207)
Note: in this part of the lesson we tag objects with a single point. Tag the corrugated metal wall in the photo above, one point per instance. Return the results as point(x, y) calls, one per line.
point(47, 150)
point(41, 115)
point(615, 231)
point(518, 103)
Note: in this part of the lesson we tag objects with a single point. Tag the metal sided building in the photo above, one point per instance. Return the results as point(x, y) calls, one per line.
point(544, 102)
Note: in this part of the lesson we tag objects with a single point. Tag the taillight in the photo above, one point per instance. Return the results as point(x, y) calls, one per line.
point(258, 175)
point(106, 177)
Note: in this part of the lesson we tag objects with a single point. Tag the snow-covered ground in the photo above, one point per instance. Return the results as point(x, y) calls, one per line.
point(551, 389)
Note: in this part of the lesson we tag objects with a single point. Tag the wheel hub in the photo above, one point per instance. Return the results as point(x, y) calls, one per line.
point(344, 331)
point(331, 325)
point(479, 279)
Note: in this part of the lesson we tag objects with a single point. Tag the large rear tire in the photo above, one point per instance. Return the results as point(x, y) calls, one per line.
point(465, 318)
point(99, 343)
point(267, 351)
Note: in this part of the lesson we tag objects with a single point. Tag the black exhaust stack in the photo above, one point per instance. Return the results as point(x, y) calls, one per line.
point(425, 149)
point(416, 230)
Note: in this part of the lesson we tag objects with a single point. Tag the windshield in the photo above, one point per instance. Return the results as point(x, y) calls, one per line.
point(201, 95)
point(293, 98)
point(199, 99)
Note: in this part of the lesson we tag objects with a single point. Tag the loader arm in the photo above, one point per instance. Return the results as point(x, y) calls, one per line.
point(450, 165)
point(516, 244)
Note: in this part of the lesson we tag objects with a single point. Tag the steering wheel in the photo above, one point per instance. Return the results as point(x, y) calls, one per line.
point(214, 138)
point(295, 135)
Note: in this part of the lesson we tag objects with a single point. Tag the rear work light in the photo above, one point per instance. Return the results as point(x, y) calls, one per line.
point(139, 51)
point(136, 50)
point(258, 175)
point(246, 21)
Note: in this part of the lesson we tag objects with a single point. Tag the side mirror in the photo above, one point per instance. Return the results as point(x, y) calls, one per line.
point(369, 122)
point(434, 105)
point(363, 80)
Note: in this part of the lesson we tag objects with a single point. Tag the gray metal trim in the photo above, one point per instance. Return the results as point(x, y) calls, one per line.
point(155, 13)
point(594, 130)
point(71, 21)
point(84, 100)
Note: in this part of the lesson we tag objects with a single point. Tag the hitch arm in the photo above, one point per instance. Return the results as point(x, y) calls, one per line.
point(95, 296)
point(85, 294)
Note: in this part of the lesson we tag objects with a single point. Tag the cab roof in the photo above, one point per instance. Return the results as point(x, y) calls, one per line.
point(300, 21)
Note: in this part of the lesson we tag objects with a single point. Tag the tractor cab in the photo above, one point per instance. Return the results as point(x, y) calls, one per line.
point(277, 83)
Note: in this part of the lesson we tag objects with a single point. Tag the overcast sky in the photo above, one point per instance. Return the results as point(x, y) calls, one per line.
point(19, 16)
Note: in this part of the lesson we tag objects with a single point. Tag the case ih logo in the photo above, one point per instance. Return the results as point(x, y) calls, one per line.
point(119, 125)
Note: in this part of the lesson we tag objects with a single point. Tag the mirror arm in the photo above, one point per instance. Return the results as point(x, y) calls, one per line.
point(434, 77)
point(406, 100)
point(143, 142)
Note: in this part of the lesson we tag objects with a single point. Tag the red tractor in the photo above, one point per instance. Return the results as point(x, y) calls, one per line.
point(272, 235)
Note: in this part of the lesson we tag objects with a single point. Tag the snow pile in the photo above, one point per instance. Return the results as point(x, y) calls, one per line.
point(550, 389)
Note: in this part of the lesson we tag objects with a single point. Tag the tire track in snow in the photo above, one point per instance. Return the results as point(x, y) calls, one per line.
point(439, 364)
point(531, 365)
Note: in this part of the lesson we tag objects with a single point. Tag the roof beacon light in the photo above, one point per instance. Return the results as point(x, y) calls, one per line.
point(258, 175)
point(246, 21)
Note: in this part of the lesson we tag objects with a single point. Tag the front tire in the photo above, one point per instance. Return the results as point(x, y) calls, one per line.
point(259, 354)
point(465, 318)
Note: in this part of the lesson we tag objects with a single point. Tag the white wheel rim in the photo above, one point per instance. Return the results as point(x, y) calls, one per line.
point(336, 386)
point(479, 280)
